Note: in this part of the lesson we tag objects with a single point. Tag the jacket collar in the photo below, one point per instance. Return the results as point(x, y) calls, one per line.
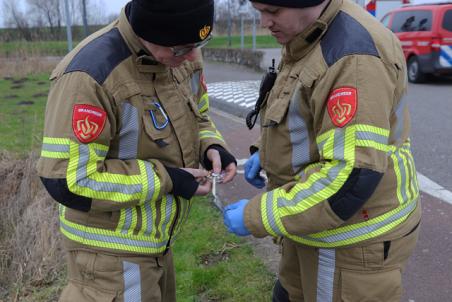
point(143, 59)
point(308, 38)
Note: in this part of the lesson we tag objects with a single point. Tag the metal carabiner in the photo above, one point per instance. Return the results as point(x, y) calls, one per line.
point(154, 120)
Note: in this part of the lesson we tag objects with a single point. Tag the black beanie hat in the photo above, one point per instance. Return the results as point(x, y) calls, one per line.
point(291, 3)
point(171, 22)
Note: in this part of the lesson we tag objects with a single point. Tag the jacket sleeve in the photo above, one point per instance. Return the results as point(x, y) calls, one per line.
point(75, 162)
point(208, 133)
point(353, 154)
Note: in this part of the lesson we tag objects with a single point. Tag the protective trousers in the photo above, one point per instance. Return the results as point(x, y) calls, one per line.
point(99, 277)
point(365, 273)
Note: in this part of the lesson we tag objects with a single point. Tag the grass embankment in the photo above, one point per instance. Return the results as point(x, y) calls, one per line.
point(59, 48)
point(211, 264)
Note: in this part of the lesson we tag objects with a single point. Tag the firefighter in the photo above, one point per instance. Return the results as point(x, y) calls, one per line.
point(126, 128)
point(342, 191)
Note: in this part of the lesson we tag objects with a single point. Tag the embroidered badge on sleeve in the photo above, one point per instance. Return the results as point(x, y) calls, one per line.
point(88, 122)
point(342, 105)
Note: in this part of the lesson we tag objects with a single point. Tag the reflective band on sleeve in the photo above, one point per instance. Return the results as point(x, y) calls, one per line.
point(298, 132)
point(317, 188)
point(55, 148)
point(206, 134)
point(84, 179)
point(167, 212)
point(195, 82)
point(338, 150)
point(203, 105)
point(128, 136)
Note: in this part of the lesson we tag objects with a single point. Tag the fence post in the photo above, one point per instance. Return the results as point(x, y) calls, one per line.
point(68, 26)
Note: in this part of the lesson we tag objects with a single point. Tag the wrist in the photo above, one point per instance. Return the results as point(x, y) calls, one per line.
point(184, 184)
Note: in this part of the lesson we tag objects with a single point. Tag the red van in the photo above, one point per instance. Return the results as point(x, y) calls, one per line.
point(425, 32)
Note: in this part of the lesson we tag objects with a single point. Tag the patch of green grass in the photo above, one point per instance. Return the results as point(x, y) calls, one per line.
point(261, 42)
point(36, 48)
point(213, 265)
point(22, 107)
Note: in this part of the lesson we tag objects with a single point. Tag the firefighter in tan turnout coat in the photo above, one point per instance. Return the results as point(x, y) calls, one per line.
point(125, 130)
point(342, 191)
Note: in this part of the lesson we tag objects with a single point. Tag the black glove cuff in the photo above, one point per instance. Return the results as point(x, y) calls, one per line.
point(226, 157)
point(253, 149)
point(184, 184)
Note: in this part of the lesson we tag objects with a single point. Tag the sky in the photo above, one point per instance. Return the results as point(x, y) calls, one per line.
point(111, 6)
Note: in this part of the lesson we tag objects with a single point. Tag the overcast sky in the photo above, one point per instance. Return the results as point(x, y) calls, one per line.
point(111, 6)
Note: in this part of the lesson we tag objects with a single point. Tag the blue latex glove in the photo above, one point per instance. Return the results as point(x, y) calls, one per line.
point(233, 218)
point(252, 169)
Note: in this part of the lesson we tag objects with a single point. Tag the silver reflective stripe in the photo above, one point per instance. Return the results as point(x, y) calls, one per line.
point(325, 275)
point(271, 214)
point(112, 239)
point(299, 136)
point(151, 180)
point(101, 153)
point(82, 179)
point(132, 282)
point(320, 184)
point(127, 220)
point(315, 188)
point(400, 117)
point(195, 80)
point(148, 210)
point(128, 136)
point(405, 149)
point(55, 148)
point(364, 230)
point(370, 136)
point(168, 212)
point(398, 160)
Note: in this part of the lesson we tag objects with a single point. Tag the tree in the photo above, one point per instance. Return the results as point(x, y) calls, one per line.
point(47, 13)
point(16, 18)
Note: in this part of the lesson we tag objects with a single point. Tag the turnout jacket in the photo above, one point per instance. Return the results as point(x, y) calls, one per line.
point(335, 137)
point(114, 119)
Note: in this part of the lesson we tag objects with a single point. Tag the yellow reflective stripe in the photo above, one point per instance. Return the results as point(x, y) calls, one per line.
point(205, 134)
point(203, 103)
point(358, 232)
point(317, 188)
point(109, 239)
point(167, 212)
point(371, 136)
point(412, 182)
point(84, 179)
point(57, 148)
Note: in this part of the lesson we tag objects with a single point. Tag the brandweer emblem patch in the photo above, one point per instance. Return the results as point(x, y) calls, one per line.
point(87, 122)
point(342, 105)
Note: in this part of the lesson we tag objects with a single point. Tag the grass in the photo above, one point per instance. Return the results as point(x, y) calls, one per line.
point(22, 106)
point(261, 42)
point(213, 265)
point(36, 48)
point(59, 48)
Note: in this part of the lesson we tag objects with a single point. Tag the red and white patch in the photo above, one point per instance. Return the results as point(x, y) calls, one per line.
point(342, 105)
point(88, 122)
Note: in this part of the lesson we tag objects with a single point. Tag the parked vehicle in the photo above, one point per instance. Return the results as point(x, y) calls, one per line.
point(425, 32)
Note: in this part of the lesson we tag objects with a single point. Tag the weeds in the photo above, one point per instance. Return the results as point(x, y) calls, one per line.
point(30, 248)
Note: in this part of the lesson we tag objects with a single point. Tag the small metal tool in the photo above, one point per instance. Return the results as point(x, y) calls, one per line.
point(216, 178)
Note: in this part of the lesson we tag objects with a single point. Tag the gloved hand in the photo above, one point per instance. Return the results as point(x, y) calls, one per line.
point(252, 169)
point(217, 159)
point(233, 218)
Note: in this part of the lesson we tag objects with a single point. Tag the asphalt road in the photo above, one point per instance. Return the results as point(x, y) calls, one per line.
point(428, 276)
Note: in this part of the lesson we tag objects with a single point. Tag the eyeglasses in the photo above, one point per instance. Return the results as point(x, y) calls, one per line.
point(179, 51)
